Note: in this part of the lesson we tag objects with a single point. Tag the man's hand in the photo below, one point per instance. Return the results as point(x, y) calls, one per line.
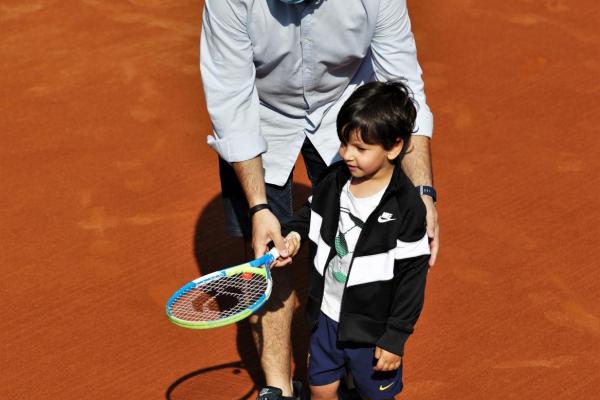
point(417, 165)
point(386, 361)
point(433, 229)
point(266, 228)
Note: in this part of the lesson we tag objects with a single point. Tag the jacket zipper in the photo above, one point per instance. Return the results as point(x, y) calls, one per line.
point(358, 242)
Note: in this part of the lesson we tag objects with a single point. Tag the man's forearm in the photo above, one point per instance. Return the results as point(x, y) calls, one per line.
point(251, 175)
point(417, 162)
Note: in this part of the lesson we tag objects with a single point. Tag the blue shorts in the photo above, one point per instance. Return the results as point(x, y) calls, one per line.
point(278, 197)
point(329, 361)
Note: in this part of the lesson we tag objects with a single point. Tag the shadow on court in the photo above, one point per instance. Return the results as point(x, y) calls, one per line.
point(214, 250)
point(231, 370)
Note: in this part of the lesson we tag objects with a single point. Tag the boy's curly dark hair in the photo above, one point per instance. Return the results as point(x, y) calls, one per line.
point(382, 112)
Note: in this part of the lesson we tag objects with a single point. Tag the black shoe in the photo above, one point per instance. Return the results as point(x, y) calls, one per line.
point(273, 393)
point(270, 393)
point(297, 388)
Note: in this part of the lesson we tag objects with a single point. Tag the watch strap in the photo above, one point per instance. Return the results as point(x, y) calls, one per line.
point(427, 191)
point(262, 206)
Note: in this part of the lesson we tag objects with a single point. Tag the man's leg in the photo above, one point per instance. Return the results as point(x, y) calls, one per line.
point(270, 327)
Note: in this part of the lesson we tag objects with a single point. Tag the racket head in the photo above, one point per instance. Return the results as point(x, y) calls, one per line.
point(223, 297)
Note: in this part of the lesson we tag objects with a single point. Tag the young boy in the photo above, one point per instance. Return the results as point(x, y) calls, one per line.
point(369, 246)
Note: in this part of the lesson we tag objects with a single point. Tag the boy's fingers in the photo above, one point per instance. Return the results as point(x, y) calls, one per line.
point(377, 353)
point(283, 261)
point(280, 244)
point(379, 366)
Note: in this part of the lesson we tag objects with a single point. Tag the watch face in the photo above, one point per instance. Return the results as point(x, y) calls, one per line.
point(427, 190)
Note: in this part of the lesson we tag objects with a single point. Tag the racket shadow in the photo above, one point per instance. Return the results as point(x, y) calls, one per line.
point(217, 371)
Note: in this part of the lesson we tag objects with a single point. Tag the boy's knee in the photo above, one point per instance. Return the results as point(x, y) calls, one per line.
point(324, 392)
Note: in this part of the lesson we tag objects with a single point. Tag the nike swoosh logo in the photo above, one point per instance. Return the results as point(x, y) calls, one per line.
point(382, 388)
point(382, 220)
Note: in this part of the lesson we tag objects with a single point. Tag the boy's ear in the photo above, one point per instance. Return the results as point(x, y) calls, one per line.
point(394, 152)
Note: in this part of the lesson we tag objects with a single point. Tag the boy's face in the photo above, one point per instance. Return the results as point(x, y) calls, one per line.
point(367, 160)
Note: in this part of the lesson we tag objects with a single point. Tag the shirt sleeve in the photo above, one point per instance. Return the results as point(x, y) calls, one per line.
point(394, 55)
point(228, 78)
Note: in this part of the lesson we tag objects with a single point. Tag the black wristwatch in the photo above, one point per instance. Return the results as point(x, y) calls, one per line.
point(427, 191)
point(257, 208)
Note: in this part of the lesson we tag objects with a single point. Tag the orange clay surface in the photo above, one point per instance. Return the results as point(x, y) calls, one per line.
point(110, 201)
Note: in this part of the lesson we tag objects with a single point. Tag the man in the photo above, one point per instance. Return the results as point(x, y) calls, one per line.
point(275, 75)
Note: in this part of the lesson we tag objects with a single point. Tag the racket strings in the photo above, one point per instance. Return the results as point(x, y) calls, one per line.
point(220, 298)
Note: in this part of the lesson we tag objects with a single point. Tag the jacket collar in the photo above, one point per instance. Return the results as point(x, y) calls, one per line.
point(398, 181)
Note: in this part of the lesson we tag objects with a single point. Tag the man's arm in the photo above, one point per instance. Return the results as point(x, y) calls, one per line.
point(228, 78)
point(417, 166)
point(265, 226)
point(395, 57)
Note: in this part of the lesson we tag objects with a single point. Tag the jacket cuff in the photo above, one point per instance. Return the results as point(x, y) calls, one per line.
point(238, 148)
point(393, 341)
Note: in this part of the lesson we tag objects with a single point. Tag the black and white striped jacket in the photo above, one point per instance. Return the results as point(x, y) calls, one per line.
point(385, 288)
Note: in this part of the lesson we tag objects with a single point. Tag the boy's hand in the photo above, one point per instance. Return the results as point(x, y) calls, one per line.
point(292, 243)
point(386, 361)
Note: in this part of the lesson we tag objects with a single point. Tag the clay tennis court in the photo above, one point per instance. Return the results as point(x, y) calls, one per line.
point(110, 201)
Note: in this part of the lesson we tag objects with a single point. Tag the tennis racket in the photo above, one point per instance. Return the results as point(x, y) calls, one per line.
point(223, 297)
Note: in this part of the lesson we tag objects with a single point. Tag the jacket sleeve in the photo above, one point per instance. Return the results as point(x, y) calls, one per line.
point(407, 304)
point(299, 222)
point(410, 274)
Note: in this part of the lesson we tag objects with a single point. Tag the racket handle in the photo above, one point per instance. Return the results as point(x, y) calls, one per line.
point(274, 252)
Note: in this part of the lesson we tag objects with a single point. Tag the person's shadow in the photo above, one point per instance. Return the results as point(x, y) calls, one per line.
point(214, 250)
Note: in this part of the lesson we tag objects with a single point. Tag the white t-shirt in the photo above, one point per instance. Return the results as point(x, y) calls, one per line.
point(354, 212)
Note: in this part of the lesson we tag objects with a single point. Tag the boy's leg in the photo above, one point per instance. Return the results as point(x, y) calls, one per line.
point(326, 364)
point(372, 385)
point(325, 392)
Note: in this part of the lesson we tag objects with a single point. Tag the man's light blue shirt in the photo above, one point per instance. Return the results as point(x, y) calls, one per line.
point(274, 73)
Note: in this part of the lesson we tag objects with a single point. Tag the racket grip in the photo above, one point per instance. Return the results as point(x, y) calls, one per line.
point(274, 253)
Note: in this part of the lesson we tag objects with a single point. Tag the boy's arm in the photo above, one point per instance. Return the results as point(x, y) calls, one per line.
point(407, 303)
point(299, 222)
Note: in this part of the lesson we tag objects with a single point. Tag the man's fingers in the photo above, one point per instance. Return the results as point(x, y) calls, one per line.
point(431, 222)
point(434, 246)
point(377, 352)
point(259, 249)
point(433, 229)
